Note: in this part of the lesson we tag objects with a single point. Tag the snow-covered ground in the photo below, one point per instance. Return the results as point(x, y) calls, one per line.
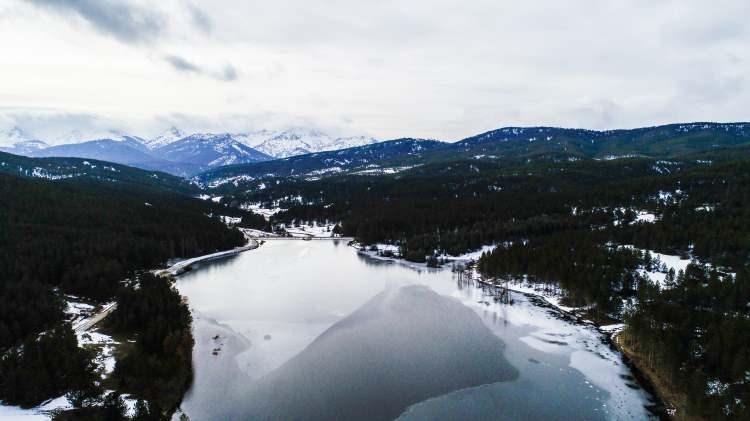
point(385, 171)
point(183, 265)
point(313, 230)
point(236, 180)
point(253, 233)
point(391, 252)
point(230, 220)
point(470, 256)
point(257, 209)
point(82, 316)
point(663, 264)
point(105, 345)
point(42, 412)
point(76, 310)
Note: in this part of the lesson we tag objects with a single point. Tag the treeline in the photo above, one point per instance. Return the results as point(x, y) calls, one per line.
point(158, 368)
point(711, 219)
point(45, 366)
point(592, 275)
point(694, 336)
point(467, 204)
point(562, 224)
point(255, 221)
point(81, 238)
point(84, 239)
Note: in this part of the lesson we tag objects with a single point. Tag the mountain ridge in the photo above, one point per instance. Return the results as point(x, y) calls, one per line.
point(505, 145)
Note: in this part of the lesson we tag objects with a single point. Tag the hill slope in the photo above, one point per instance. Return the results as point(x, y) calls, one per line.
point(72, 169)
point(503, 147)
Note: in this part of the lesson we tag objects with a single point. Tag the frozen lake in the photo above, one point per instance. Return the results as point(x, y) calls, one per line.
point(314, 330)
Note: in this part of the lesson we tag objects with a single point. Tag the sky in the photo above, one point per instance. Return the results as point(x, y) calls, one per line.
point(404, 68)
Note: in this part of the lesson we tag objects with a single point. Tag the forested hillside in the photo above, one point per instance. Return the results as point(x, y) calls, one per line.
point(76, 169)
point(589, 228)
point(509, 146)
point(84, 239)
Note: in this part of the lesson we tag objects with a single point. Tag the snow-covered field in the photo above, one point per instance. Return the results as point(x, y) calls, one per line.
point(257, 209)
point(253, 233)
point(384, 171)
point(662, 265)
point(82, 316)
point(313, 230)
point(390, 252)
point(230, 220)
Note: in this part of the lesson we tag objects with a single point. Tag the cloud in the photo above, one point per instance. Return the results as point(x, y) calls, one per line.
point(229, 73)
point(56, 126)
point(198, 17)
point(127, 22)
point(182, 65)
point(391, 69)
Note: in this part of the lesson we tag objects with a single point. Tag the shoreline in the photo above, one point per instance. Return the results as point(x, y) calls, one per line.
point(185, 265)
point(45, 409)
point(666, 396)
point(658, 408)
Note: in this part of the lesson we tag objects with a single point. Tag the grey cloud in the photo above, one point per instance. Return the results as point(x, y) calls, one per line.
point(182, 65)
point(199, 18)
point(126, 22)
point(227, 74)
point(56, 126)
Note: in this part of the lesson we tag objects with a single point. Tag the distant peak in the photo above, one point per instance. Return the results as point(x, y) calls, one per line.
point(174, 131)
point(13, 135)
point(16, 131)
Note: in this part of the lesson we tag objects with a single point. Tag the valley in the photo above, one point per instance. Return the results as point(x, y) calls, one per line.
point(630, 237)
point(387, 210)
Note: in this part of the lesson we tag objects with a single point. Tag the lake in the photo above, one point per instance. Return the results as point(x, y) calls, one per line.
point(315, 330)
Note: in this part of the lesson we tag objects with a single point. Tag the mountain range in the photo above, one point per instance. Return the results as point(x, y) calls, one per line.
point(179, 153)
point(216, 158)
point(505, 147)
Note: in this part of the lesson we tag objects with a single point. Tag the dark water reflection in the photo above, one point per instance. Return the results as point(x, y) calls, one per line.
point(312, 330)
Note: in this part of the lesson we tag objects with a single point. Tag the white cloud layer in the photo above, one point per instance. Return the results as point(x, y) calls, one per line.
point(425, 68)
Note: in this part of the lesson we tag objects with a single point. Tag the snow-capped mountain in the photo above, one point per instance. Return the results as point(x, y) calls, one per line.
point(26, 147)
point(275, 143)
point(171, 135)
point(256, 137)
point(210, 150)
point(300, 141)
point(123, 151)
point(12, 136)
point(17, 142)
point(78, 136)
point(349, 142)
point(178, 152)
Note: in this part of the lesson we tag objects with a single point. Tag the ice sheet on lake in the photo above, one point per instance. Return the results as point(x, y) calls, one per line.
point(403, 346)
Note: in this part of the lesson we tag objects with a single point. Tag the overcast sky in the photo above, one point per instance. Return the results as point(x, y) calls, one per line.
point(432, 68)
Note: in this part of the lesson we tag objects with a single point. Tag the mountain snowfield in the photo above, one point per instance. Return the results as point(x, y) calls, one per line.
point(211, 150)
point(311, 153)
point(179, 152)
point(171, 135)
point(274, 143)
point(12, 136)
point(299, 141)
point(17, 142)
